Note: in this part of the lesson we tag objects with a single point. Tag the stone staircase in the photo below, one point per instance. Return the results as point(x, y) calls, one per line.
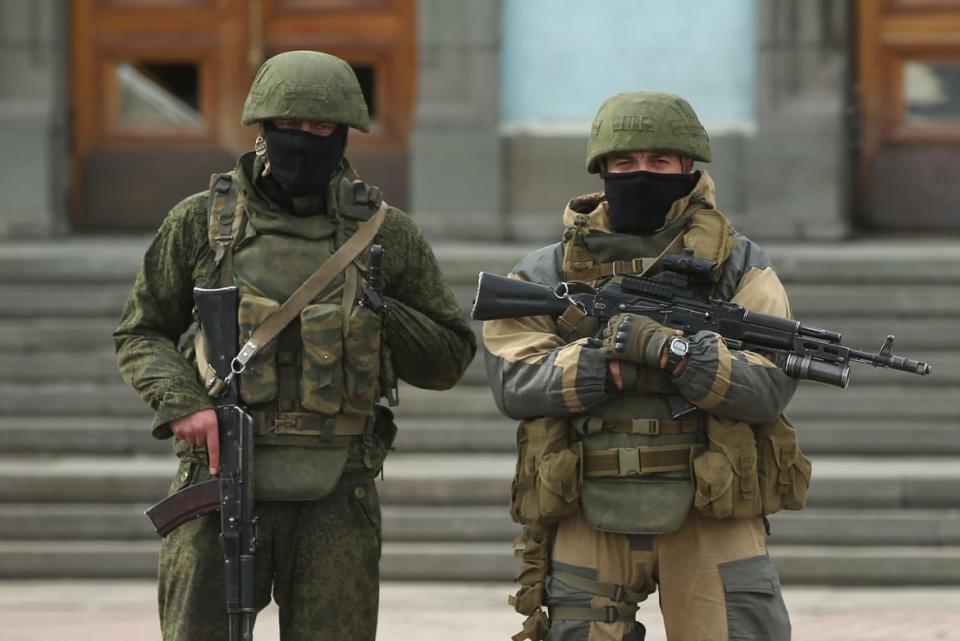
point(78, 466)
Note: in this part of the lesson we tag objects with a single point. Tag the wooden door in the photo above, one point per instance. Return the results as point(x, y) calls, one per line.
point(158, 88)
point(909, 80)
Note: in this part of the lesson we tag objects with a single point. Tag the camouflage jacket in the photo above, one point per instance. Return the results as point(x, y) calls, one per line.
point(534, 372)
point(430, 342)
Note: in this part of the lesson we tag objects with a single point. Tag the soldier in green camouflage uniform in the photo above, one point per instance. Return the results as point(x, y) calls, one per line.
point(295, 202)
point(648, 459)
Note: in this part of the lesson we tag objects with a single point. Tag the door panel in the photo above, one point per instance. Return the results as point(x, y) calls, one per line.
point(909, 71)
point(158, 88)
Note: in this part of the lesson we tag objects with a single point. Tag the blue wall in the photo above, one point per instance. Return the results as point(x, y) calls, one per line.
point(561, 58)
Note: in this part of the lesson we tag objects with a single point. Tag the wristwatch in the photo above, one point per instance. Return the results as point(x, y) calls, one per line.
point(677, 349)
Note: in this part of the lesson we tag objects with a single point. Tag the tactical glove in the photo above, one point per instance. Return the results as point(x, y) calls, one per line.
point(633, 338)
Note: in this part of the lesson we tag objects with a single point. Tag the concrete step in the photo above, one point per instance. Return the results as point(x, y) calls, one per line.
point(115, 259)
point(827, 300)
point(490, 562)
point(467, 479)
point(812, 401)
point(83, 355)
point(68, 363)
point(88, 522)
point(82, 300)
point(123, 436)
point(452, 524)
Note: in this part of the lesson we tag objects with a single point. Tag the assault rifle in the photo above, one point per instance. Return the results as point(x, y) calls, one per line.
point(803, 351)
point(232, 491)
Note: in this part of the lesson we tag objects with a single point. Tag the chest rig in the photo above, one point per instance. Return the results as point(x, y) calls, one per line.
point(317, 377)
point(636, 456)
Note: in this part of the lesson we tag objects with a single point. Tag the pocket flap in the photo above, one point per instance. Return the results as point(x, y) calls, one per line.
point(755, 574)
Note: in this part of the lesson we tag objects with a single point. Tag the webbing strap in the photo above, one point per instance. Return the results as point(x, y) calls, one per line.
point(613, 591)
point(309, 289)
point(649, 426)
point(632, 266)
point(607, 614)
point(569, 320)
point(309, 424)
point(223, 222)
point(637, 461)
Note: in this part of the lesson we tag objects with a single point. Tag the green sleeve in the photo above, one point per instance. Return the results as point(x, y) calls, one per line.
point(430, 341)
point(158, 311)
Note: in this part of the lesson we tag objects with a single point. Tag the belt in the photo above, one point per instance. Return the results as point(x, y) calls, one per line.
point(307, 423)
point(639, 461)
point(650, 426)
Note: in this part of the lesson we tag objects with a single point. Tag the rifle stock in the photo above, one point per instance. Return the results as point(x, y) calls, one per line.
point(500, 297)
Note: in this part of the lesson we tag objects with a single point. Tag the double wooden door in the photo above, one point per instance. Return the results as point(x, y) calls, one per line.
point(158, 88)
point(909, 88)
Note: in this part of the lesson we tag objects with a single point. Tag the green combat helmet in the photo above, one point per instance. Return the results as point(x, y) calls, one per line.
point(646, 121)
point(307, 85)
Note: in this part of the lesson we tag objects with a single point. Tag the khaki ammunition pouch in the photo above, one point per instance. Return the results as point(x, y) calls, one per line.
point(532, 547)
point(784, 471)
point(547, 480)
point(750, 471)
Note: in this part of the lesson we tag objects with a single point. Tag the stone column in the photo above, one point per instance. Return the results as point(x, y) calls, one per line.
point(456, 174)
point(798, 172)
point(34, 163)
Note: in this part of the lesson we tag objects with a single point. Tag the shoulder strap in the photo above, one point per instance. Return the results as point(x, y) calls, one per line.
point(223, 222)
point(310, 288)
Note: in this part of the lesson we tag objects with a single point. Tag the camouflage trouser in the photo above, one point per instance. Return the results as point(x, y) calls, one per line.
point(320, 559)
point(715, 580)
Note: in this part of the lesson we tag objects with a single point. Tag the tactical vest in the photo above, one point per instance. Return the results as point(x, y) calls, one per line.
point(627, 464)
point(312, 389)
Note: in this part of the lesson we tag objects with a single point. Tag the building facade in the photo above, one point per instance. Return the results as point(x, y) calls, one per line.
point(827, 117)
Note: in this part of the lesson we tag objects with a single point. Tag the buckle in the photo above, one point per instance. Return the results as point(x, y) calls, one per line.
point(619, 593)
point(649, 426)
point(629, 461)
point(612, 614)
point(276, 422)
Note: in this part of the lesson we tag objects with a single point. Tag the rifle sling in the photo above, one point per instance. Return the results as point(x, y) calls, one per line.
point(312, 286)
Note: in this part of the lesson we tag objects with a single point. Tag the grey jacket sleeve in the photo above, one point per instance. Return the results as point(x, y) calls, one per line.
point(531, 369)
point(741, 385)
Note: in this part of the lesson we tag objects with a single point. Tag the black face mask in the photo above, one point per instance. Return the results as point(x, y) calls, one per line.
point(303, 163)
point(639, 200)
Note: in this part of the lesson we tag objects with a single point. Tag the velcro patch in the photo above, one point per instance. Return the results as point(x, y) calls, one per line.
point(681, 127)
point(633, 123)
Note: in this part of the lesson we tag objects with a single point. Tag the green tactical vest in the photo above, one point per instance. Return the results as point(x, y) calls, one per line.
point(649, 503)
point(312, 389)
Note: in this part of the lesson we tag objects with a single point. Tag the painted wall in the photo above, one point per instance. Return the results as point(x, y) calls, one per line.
point(561, 58)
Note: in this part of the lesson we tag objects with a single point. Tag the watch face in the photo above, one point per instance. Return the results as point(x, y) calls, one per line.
point(679, 346)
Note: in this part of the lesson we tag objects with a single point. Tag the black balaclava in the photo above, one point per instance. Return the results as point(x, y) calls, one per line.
point(640, 200)
point(302, 162)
